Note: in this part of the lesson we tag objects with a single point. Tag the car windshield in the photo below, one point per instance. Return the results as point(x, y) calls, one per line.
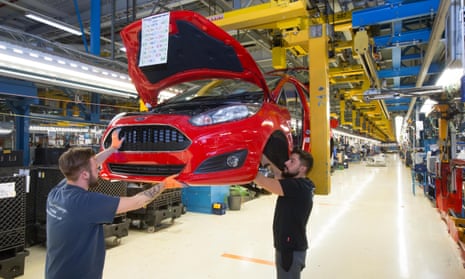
point(301, 74)
point(272, 81)
point(211, 88)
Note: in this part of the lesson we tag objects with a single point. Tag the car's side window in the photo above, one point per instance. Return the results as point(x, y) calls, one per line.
point(289, 98)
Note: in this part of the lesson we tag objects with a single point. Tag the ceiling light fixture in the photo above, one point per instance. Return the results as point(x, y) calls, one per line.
point(428, 106)
point(55, 70)
point(339, 132)
point(34, 128)
point(4, 132)
point(53, 23)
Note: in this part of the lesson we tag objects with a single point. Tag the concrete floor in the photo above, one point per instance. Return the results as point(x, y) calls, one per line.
point(370, 226)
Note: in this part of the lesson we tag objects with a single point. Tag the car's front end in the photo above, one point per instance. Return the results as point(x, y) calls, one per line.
point(212, 134)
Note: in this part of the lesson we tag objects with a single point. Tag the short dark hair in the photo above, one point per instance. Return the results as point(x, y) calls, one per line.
point(305, 158)
point(74, 160)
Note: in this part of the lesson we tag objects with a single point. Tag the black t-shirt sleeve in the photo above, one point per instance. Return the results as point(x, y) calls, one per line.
point(296, 187)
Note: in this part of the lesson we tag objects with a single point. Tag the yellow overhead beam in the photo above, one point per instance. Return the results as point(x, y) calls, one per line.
point(346, 71)
point(341, 21)
point(254, 17)
point(291, 19)
point(296, 38)
point(350, 79)
point(340, 46)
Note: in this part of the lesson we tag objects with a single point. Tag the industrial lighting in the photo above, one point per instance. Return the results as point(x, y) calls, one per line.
point(428, 106)
point(4, 131)
point(57, 129)
point(22, 63)
point(450, 76)
point(51, 22)
point(165, 95)
point(398, 124)
point(339, 132)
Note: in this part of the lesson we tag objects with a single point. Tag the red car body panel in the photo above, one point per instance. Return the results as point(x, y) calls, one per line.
point(148, 91)
point(205, 143)
point(165, 141)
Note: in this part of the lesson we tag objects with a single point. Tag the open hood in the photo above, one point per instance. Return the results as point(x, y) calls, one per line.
point(181, 46)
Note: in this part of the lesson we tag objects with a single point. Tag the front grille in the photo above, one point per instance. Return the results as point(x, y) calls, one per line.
point(151, 138)
point(149, 170)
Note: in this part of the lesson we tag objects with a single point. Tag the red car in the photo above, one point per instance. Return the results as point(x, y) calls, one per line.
point(228, 114)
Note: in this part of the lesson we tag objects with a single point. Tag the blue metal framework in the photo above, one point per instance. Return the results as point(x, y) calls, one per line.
point(392, 11)
point(397, 15)
point(21, 94)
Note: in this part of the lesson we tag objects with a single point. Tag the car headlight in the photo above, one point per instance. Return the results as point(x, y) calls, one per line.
point(224, 114)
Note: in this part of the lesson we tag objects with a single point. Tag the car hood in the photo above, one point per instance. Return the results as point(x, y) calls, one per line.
point(166, 49)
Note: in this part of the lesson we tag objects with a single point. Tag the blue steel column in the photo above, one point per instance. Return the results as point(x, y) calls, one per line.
point(95, 27)
point(95, 49)
point(22, 129)
point(396, 52)
point(94, 108)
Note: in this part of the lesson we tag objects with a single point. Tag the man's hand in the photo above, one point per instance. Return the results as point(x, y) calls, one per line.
point(116, 142)
point(265, 160)
point(170, 182)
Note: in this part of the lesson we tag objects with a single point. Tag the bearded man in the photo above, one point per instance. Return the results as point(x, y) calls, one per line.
point(293, 207)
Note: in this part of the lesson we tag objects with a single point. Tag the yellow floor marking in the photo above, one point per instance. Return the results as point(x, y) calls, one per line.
point(253, 260)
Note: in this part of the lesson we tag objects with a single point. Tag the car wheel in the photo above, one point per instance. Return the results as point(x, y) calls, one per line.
point(276, 149)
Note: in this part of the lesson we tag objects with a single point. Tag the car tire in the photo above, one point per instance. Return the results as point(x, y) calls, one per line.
point(276, 149)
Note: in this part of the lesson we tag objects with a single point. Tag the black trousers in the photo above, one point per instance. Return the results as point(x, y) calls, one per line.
point(289, 265)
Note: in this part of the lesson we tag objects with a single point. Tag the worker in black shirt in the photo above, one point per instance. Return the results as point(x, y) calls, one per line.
point(293, 208)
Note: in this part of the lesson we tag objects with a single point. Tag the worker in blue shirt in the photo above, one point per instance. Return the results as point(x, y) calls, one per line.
point(75, 216)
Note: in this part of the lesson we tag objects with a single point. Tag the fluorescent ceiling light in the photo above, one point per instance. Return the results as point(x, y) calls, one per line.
point(338, 132)
point(398, 124)
point(5, 132)
point(428, 106)
point(55, 70)
point(450, 76)
point(57, 129)
point(53, 23)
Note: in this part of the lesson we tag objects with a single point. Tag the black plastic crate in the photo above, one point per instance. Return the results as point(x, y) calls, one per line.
point(12, 263)
point(118, 229)
point(11, 159)
point(47, 156)
point(116, 189)
point(167, 205)
point(43, 179)
point(13, 212)
point(120, 226)
point(9, 171)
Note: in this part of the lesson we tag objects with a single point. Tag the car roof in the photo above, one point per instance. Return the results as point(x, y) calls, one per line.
point(179, 46)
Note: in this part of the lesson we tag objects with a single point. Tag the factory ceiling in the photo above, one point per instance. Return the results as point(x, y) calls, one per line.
point(386, 54)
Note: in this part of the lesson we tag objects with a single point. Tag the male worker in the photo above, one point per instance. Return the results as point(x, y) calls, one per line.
point(293, 208)
point(75, 216)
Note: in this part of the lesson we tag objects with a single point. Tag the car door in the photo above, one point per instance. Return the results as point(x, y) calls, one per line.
point(295, 98)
